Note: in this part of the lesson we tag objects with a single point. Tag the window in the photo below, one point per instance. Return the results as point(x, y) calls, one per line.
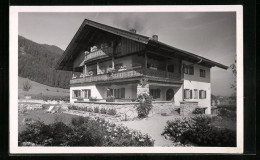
point(187, 94)
point(76, 93)
point(86, 93)
point(170, 68)
point(188, 69)
point(202, 94)
point(155, 93)
point(202, 73)
point(117, 93)
point(195, 94)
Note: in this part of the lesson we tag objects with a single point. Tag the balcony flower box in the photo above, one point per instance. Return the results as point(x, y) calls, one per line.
point(136, 67)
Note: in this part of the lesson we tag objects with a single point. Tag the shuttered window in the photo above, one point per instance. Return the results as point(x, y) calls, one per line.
point(122, 92)
point(188, 69)
point(195, 94)
point(76, 93)
point(87, 93)
point(188, 94)
point(202, 94)
point(202, 73)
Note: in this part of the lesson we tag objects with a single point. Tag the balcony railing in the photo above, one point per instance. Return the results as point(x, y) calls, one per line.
point(128, 74)
point(102, 52)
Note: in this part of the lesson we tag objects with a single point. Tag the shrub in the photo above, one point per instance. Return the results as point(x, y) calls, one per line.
point(96, 110)
point(110, 99)
point(27, 86)
point(79, 121)
point(90, 109)
point(111, 112)
point(92, 98)
point(83, 132)
point(224, 112)
point(199, 111)
point(145, 105)
point(103, 111)
point(197, 130)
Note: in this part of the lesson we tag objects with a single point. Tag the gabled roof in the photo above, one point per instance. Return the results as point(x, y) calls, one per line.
point(69, 53)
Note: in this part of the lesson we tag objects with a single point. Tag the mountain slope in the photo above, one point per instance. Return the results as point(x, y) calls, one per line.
point(37, 62)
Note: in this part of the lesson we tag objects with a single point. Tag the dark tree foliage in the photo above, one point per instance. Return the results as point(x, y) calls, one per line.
point(37, 62)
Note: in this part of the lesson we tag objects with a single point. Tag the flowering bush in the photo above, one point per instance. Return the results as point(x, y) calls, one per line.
point(197, 130)
point(110, 99)
point(111, 111)
point(82, 132)
point(199, 111)
point(145, 105)
point(103, 111)
point(96, 110)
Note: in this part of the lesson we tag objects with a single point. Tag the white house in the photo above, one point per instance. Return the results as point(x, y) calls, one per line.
point(109, 61)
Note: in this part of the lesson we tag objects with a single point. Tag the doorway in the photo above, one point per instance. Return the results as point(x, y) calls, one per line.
point(170, 95)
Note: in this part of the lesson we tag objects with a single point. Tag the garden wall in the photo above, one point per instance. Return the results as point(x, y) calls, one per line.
point(127, 110)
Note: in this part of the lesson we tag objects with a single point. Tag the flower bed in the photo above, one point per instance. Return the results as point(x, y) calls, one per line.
point(82, 132)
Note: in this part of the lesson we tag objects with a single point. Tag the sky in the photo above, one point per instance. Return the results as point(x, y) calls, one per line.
point(208, 34)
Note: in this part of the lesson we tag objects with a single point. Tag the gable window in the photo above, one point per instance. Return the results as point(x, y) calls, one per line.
point(170, 68)
point(202, 94)
point(155, 93)
point(187, 94)
point(187, 69)
point(202, 73)
point(76, 93)
point(117, 93)
point(195, 94)
point(86, 93)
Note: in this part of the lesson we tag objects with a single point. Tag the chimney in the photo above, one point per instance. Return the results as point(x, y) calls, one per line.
point(132, 30)
point(155, 37)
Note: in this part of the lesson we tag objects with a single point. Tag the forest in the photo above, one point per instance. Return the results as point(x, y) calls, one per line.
point(37, 62)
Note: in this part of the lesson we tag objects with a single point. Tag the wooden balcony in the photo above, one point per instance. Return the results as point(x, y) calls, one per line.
point(132, 73)
point(105, 52)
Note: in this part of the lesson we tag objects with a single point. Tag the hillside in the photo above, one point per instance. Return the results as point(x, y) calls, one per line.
point(40, 89)
point(37, 62)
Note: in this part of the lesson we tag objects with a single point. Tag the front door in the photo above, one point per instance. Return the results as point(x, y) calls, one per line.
point(170, 95)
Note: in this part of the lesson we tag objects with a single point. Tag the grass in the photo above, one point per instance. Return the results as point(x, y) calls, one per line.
point(47, 118)
point(38, 89)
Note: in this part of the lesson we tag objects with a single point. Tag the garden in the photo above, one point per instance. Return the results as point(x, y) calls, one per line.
point(37, 127)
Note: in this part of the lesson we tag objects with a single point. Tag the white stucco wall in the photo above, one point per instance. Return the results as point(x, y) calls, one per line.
point(200, 83)
point(95, 91)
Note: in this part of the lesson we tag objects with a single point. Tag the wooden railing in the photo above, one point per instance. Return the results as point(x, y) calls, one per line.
point(103, 52)
point(128, 74)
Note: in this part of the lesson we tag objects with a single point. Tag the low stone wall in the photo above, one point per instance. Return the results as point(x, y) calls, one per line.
point(126, 110)
point(165, 107)
point(187, 107)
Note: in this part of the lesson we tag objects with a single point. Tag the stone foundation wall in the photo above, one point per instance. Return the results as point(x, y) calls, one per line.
point(187, 107)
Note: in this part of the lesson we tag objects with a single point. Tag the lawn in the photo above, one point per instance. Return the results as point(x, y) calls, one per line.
point(47, 118)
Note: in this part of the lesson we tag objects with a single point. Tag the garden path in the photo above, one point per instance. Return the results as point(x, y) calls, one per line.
point(153, 126)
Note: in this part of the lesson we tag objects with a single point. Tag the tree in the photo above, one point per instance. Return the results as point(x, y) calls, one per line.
point(233, 67)
point(27, 86)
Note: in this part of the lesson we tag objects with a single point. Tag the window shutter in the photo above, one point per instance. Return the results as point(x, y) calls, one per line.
point(205, 93)
point(200, 94)
point(190, 94)
point(89, 93)
point(122, 92)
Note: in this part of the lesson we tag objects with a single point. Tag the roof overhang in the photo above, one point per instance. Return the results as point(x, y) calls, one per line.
point(89, 31)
